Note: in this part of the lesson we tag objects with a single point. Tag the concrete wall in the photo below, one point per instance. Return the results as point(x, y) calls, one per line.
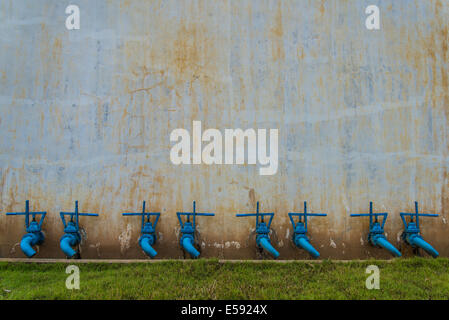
point(87, 114)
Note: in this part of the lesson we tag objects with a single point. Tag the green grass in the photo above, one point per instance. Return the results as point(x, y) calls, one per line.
point(416, 278)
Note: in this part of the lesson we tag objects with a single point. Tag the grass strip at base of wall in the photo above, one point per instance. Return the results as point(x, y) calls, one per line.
point(416, 278)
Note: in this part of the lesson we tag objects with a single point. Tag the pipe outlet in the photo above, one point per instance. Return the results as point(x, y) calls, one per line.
point(145, 244)
point(303, 243)
point(27, 243)
point(265, 243)
point(187, 244)
point(66, 244)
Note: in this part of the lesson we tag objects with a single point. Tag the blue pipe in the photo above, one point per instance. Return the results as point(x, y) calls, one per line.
point(34, 235)
point(72, 236)
point(412, 232)
point(145, 244)
point(382, 242)
point(148, 230)
point(300, 229)
point(27, 243)
point(187, 244)
point(376, 235)
point(265, 243)
point(66, 243)
point(419, 242)
point(305, 244)
point(188, 230)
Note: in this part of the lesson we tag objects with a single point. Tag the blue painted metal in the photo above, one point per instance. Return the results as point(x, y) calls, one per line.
point(300, 229)
point(412, 232)
point(148, 230)
point(262, 230)
point(188, 229)
point(34, 234)
point(72, 236)
point(376, 236)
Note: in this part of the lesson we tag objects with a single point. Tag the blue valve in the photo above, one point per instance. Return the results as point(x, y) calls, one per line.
point(262, 231)
point(72, 236)
point(148, 230)
point(188, 229)
point(412, 233)
point(376, 236)
point(34, 234)
point(300, 229)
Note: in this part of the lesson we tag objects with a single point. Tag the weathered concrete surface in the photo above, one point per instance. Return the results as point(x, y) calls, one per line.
point(86, 115)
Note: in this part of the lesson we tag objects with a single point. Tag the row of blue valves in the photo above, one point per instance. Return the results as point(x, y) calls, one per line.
point(72, 236)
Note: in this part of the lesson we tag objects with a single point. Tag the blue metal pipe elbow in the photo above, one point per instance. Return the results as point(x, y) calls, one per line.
point(145, 244)
point(27, 243)
point(66, 243)
point(419, 242)
point(303, 243)
point(187, 244)
point(382, 242)
point(265, 243)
